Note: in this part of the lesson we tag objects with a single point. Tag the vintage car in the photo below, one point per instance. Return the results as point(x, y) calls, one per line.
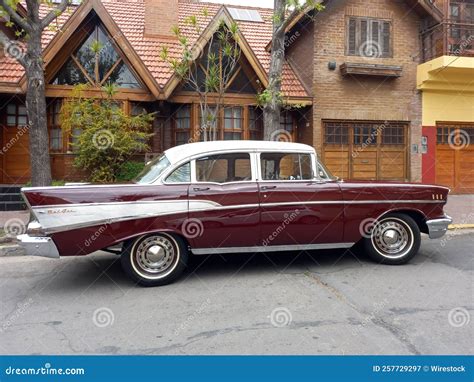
point(229, 197)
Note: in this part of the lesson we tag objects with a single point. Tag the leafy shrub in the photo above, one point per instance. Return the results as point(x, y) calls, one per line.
point(55, 183)
point(129, 171)
point(104, 136)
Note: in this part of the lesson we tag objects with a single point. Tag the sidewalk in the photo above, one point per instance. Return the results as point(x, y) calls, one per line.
point(459, 207)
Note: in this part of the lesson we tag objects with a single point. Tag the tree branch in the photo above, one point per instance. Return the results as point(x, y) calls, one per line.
point(288, 20)
point(14, 15)
point(12, 48)
point(56, 12)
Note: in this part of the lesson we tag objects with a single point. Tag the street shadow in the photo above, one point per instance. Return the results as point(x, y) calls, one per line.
point(102, 271)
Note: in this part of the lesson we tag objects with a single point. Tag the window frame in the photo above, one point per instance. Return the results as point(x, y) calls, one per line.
point(176, 119)
point(190, 162)
point(17, 115)
point(54, 124)
point(369, 34)
point(233, 129)
point(255, 123)
point(315, 175)
point(227, 152)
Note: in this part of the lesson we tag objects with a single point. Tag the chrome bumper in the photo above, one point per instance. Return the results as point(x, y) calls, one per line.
point(38, 246)
point(438, 227)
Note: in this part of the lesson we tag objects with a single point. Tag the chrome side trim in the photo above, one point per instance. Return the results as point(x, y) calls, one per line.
point(351, 202)
point(438, 227)
point(61, 218)
point(270, 248)
point(64, 217)
point(38, 246)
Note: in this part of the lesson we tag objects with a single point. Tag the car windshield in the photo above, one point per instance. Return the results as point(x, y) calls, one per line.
point(153, 170)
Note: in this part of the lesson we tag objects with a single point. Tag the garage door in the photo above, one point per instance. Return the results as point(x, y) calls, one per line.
point(455, 157)
point(366, 150)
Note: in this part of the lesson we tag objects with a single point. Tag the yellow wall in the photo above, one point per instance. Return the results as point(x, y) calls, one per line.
point(447, 84)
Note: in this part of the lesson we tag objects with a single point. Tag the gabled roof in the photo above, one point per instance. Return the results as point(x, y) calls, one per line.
point(129, 18)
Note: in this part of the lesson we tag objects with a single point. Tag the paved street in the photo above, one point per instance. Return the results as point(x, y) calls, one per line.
point(328, 303)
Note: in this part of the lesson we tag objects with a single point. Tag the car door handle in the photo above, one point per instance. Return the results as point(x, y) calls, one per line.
point(264, 188)
point(201, 189)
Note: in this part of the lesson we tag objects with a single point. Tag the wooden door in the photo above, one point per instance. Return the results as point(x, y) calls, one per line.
point(366, 150)
point(16, 160)
point(455, 157)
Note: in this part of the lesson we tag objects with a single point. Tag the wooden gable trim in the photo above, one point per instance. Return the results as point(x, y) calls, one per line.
point(71, 26)
point(10, 88)
point(222, 15)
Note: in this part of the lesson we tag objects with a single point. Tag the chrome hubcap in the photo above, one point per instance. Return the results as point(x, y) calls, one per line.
point(392, 238)
point(155, 255)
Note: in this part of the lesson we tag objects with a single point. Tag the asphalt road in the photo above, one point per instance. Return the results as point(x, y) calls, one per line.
point(323, 303)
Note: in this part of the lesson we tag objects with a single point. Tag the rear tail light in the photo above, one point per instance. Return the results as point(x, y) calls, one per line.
point(35, 229)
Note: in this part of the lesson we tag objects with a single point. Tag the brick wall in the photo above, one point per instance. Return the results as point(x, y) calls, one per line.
point(160, 17)
point(367, 98)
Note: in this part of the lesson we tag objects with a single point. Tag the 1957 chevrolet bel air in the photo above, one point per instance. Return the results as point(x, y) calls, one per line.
point(228, 197)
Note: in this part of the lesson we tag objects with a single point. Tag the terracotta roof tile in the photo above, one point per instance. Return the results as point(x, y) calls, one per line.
point(257, 35)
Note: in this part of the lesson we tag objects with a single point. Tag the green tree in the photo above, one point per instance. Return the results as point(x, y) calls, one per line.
point(271, 99)
point(104, 137)
point(26, 47)
point(208, 70)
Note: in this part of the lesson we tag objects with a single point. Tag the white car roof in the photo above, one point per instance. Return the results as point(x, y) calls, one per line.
point(179, 153)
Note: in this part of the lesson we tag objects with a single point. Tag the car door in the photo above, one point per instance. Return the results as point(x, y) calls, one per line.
point(223, 204)
point(296, 208)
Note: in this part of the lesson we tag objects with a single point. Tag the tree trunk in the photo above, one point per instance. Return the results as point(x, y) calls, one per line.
point(36, 109)
point(272, 108)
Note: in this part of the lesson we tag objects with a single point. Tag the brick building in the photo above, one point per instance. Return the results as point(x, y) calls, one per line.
point(350, 72)
point(360, 68)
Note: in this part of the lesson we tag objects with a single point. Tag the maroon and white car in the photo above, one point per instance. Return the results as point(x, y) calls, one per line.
point(229, 197)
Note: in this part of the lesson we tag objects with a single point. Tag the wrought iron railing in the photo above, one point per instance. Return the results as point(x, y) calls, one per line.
point(448, 39)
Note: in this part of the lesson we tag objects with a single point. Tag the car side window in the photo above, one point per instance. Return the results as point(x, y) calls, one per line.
point(286, 166)
point(224, 168)
point(181, 175)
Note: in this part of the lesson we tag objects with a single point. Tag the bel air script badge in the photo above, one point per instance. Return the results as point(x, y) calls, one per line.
point(60, 211)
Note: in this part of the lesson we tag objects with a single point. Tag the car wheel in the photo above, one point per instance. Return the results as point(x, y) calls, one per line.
point(394, 239)
point(156, 259)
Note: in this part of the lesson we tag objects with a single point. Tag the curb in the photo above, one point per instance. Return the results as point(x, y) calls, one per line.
point(460, 226)
point(11, 250)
